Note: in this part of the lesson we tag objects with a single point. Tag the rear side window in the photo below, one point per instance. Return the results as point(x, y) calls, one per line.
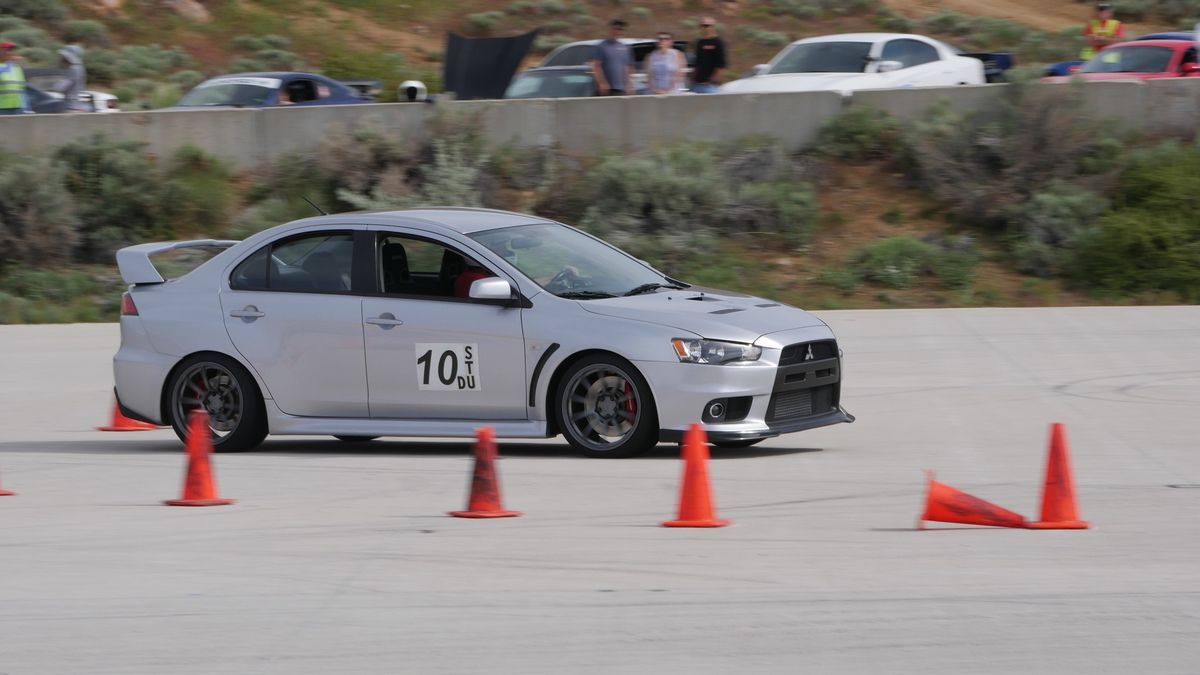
point(909, 52)
point(314, 263)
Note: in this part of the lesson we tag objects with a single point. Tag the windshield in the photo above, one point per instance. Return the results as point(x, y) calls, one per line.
point(824, 57)
point(567, 262)
point(550, 85)
point(1129, 60)
point(235, 91)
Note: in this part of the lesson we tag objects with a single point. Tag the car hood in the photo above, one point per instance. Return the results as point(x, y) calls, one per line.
point(796, 82)
point(709, 313)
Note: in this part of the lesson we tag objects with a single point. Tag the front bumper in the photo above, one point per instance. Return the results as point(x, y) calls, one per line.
point(792, 388)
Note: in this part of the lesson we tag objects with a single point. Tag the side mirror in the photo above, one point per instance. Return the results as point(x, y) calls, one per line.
point(1190, 69)
point(889, 66)
point(492, 289)
point(759, 69)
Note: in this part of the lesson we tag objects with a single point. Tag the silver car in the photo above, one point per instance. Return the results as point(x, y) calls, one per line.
point(435, 322)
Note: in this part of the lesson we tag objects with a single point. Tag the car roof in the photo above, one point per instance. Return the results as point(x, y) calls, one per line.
point(276, 74)
point(1156, 42)
point(462, 220)
point(864, 37)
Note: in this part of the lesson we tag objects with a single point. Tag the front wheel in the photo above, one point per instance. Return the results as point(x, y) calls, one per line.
point(605, 408)
point(224, 389)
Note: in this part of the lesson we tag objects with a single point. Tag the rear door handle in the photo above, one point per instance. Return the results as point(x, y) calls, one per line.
point(386, 320)
point(248, 312)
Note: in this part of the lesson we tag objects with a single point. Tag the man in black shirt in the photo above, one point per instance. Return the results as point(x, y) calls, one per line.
point(710, 59)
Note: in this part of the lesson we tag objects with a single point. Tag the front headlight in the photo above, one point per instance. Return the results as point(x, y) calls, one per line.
point(714, 351)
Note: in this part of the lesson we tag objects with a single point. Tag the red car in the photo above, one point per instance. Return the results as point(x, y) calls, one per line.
point(1140, 59)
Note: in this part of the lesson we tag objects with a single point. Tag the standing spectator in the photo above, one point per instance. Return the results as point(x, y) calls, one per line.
point(1101, 31)
point(664, 69)
point(613, 63)
point(710, 58)
point(72, 59)
point(13, 100)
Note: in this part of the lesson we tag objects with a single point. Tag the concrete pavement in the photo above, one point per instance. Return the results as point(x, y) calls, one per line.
point(338, 558)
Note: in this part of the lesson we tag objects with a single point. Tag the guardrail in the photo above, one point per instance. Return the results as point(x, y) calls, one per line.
point(250, 137)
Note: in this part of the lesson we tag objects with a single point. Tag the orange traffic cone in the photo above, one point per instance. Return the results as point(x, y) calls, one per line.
point(695, 498)
point(484, 501)
point(123, 423)
point(199, 488)
point(6, 493)
point(945, 504)
point(1059, 511)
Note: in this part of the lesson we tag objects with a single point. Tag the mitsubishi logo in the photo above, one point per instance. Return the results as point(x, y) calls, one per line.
point(809, 356)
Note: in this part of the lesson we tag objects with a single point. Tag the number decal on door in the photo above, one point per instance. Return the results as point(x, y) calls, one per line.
point(447, 367)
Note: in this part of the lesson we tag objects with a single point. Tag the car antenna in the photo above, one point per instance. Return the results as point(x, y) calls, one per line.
point(310, 203)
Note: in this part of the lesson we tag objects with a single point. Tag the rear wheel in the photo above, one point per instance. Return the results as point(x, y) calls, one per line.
point(605, 409)
point(225, 390)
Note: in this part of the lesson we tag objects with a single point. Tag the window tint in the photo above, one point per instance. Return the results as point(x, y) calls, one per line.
point(572, 56)
point(824, 57)
point(317, 263)
point(909, 52)
point(411, 266)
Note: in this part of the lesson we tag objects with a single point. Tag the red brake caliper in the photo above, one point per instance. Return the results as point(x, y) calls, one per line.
point(630, 403)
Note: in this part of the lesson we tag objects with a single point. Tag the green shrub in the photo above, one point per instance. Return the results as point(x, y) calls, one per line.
point(38, 220)
point(844, 279)
point(1047, 226)
point(482, 23)
point(29, 37)
point(546, 43)
point(641, 13)
point(862, 133)
point(198, 192)
point(895, 262)
point(186, 79)
point(521, 7)
point(765, 38)
point(118, 192)
point(787, 208)
point(552, 7)
point(150, 61)
point(1137, 250)
point(36, 10)
point(87, 31)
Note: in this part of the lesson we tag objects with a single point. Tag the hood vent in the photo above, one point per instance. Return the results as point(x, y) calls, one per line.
point(731, 310)
point(769, 304)
point(704, 298)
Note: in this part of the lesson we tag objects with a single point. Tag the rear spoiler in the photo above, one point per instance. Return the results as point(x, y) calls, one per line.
point(134, 261)
point(364, 87)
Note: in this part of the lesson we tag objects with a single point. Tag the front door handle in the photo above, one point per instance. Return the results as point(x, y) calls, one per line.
point(386, 320)
point(247, 312)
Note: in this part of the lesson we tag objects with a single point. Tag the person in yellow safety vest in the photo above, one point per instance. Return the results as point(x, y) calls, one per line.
point(1101, 31)
point(12, 82)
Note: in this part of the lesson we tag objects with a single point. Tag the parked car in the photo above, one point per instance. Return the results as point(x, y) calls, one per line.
point(1139, 59)
point(260, 90)
point(855, 61)
point(553, 82)
point(50, 83)
point(435, 322)
point(581, 54)
point(1063, 68)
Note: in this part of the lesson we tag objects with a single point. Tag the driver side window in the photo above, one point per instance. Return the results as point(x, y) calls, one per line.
point(413, 266)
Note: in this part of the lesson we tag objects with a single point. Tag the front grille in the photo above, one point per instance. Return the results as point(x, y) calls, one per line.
point(791, 404)
point(798, 353)
point(805, 386)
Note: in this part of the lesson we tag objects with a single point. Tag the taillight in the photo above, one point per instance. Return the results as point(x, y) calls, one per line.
point(112, 104)
point(127, 306)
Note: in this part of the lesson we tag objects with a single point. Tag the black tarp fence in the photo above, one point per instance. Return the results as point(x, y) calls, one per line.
point(478, 68)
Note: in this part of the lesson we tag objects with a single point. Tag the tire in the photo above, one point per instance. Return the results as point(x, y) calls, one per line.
point(605, 409)
point(738, 444)
point(237, 416)
point(355, 439)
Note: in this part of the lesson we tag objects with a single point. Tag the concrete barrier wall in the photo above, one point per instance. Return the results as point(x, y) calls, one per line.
point(247, 138)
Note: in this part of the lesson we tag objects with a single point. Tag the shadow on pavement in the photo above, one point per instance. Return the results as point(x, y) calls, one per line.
point(376, 448)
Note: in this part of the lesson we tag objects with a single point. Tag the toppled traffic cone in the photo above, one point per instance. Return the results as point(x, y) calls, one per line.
point(1059, 511)
point(6, 493)
point(484, 501)
point(945, 504)
point(695, 498)
point(123, 423)
point(199, 487)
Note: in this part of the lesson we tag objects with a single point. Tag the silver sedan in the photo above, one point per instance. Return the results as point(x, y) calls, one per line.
point(435, 322)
